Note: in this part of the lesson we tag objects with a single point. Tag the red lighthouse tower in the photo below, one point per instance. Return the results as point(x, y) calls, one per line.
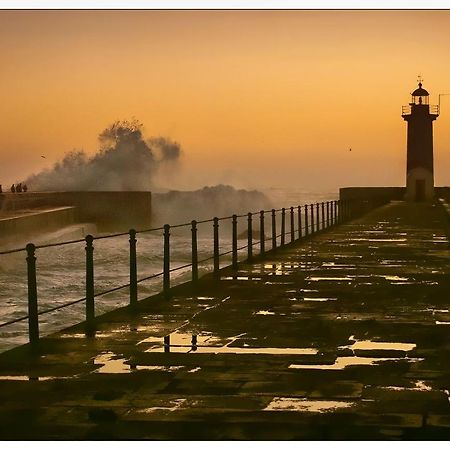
point(419, 167)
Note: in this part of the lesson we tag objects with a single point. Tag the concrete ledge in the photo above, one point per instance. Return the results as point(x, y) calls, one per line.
point(109, 210)
point(44, 220)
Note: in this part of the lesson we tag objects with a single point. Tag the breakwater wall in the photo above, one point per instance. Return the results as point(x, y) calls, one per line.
point(385, 193)
point(109, 210)
point(44, 220)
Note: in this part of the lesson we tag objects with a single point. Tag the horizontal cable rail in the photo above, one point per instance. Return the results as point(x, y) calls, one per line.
point(125, 233)
point(284, 226)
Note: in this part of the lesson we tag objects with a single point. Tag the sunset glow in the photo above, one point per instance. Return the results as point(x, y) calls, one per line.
point(255, 98)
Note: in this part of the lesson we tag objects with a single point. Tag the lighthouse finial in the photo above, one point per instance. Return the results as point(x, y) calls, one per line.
point(419, 80)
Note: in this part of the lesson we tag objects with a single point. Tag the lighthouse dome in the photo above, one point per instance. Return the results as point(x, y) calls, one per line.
point(420, 92)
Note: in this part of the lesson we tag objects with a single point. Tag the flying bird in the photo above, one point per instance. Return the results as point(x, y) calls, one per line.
point(42, 156)
point(350, 150)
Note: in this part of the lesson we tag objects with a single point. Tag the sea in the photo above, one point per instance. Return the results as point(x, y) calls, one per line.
point(61, 269)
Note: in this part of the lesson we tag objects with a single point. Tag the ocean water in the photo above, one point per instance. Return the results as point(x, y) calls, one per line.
point(61, 270)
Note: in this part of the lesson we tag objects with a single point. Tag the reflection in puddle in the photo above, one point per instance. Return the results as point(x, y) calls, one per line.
point(265, 313)
point(418, 386)
point(345, 361)
point(186, 343)
point(329, 279)
point(302, 404)
point(15, 377)
point(118, 366)
point(379, 240)
point(336, 265)
point(241, 278)
point(284, 266)
point(393, 278)
point(318, 299)
point(30, 378)
point(371, 345)
point(110, 365)
point(173, 405)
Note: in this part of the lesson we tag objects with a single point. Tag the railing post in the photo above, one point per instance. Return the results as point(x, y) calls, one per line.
point(317, 217)
point(274, 230)
point(262, 236)
point(312, 218)
point(335, 212)
point(299, 209)
point(292, 225)
point(194, 251)
point(323, 215)
point(33, 318)
point(249, 237)
point(328, 214)
point(216, 246)
point(338, 213)
point(90, 306)
point(331, 213)
point(306, 221)
point(166, 263)
point(167, 344)
point(133, 269)
point(283, 226)
point(234, 250)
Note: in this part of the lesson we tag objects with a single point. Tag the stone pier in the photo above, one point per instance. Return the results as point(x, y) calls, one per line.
point(341, 336)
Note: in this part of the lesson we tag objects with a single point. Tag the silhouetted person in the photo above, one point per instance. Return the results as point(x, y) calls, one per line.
point(19, 187)
point(1, 189)
point(24, 188)
point(13, 188)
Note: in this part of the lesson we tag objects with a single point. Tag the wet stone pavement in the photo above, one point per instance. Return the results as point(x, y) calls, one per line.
point(342, 336)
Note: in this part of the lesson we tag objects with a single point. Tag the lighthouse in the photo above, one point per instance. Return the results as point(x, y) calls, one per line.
point(419, 115)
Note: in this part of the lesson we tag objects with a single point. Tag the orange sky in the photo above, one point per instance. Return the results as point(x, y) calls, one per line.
point(256, 98)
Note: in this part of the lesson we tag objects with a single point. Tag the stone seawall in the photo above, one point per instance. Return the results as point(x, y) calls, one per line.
point(385, 193)
point(43, 220)
point(109, 210)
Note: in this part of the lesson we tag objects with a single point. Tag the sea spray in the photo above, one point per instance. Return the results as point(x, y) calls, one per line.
point(125, 162)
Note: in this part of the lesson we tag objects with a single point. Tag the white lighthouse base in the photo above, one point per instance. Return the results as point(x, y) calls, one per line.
point(419, 185)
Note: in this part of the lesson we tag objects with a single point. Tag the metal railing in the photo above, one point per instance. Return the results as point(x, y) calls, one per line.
point(303, 221)
point(407, 110)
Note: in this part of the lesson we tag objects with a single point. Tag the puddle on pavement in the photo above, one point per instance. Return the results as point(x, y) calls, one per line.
point(346, 361)
point(207, 343)
point(113, 365)
point(30, 378)
point(285, 266)
point(173, 405)
point(418, 386)
point(338, 265)
point(372, 345)
point(329, 278)
point(393, 278)
point(319, 299)
point(378, 240)
point(241, 278)
point(264, 313)
point(305, 405)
